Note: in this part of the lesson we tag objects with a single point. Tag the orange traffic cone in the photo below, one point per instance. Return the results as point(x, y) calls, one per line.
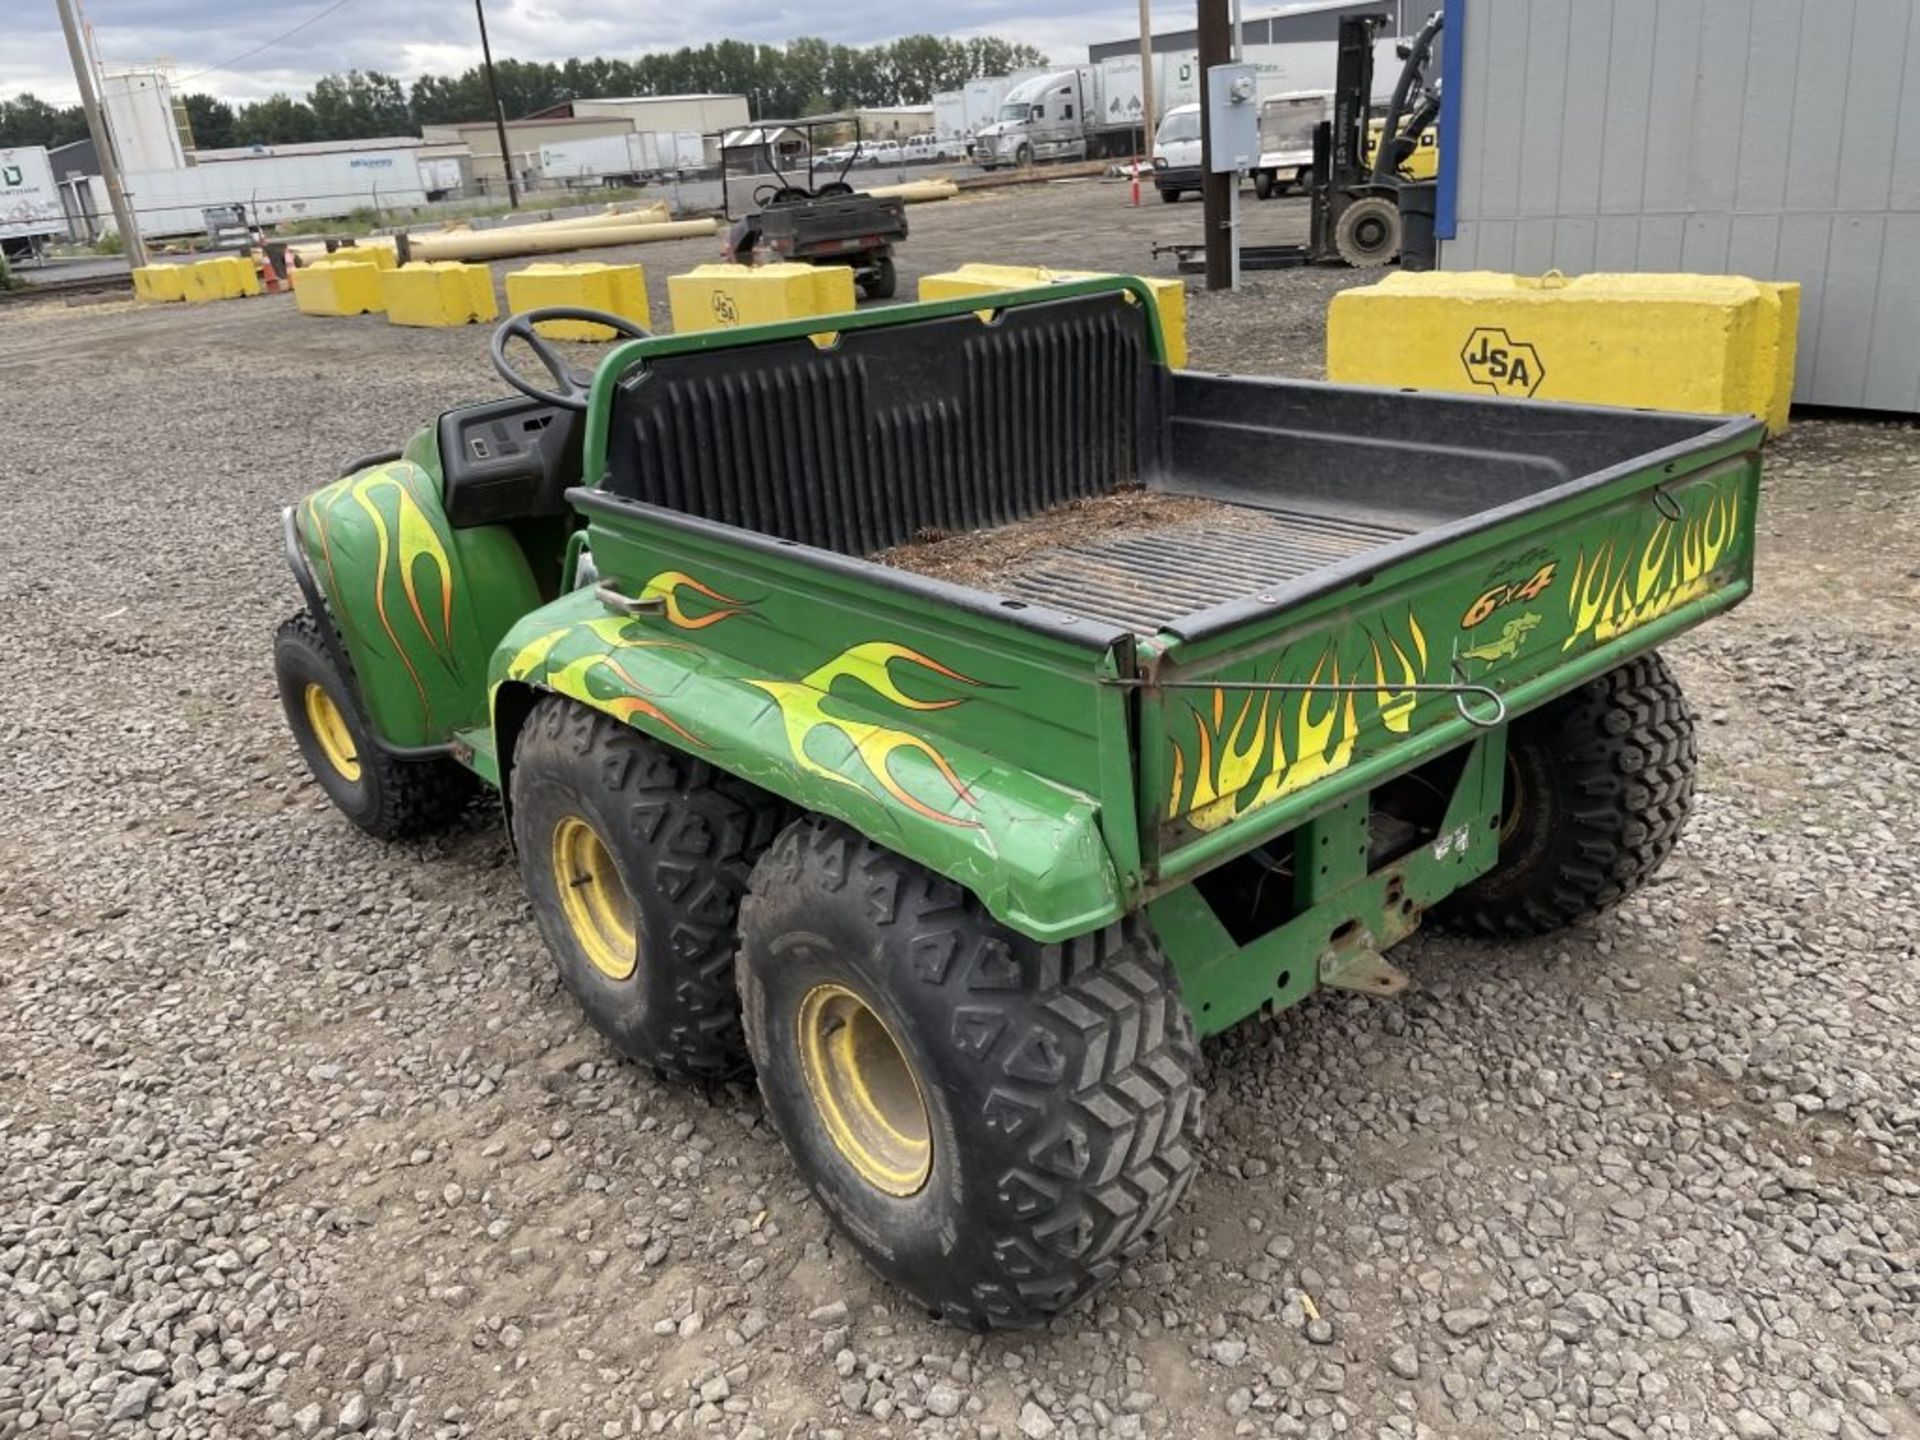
point(269, 277)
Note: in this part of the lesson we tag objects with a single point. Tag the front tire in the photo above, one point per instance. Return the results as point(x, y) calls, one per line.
point(1263, 185)
point(1171, 197)
point(1598, 788)
point(388, 797)
point(635, 857)
point(1367, 233)
point(996, 1124)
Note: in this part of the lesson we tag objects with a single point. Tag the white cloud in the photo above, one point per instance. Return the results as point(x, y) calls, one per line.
point(411, 37)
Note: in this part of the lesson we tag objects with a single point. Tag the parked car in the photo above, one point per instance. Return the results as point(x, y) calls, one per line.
point(881, 152)
point(1176, 153)
point(928, 148)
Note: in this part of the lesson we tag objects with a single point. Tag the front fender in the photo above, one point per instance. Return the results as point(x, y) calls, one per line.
point(418, 605)
point(838, 739)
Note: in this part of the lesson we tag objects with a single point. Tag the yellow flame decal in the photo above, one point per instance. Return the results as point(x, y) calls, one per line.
point(667, 585)
point(1260, 752)
point(1614, 593)
point(803, 713)
point(534, 661)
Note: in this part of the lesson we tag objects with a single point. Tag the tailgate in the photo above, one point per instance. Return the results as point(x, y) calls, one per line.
point(1257, 715)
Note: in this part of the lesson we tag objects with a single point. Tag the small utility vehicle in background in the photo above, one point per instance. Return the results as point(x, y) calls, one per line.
point(813, 216)
point(962, 867)
point(1287, 126)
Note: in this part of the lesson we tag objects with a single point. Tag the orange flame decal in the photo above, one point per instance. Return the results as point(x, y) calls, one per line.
point(666, 587)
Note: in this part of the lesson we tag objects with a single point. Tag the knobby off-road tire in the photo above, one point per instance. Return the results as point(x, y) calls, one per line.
point(998, 1125)
point(635, 856)
point(389, 798)
point(1598, 788)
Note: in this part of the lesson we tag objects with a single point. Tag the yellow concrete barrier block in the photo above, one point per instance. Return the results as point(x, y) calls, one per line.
point(384, 256)
point(160, 282)
point(338, 287)
point(617, 289)
point(225, 277)
point(1706, 344)
point(438, 293)
point(718, 297)
point(1169, 296)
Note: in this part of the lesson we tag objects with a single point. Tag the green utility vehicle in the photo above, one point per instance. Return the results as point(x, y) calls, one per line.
point(963, 871)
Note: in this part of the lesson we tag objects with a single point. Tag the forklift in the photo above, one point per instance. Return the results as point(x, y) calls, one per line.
point(1356, 205)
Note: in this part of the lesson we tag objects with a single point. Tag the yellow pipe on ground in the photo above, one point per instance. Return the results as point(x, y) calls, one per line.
point(514, 240)
point(916, 192)
point(651, 214)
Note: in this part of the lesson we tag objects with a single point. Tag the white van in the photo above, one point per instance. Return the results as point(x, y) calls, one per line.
point(1176, 153)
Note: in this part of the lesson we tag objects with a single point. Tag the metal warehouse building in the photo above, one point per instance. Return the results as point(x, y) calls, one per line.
point(1773, 138)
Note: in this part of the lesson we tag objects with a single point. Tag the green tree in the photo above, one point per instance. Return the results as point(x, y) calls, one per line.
point(28, 120)
point(357, 106)
point(277, 120)
point(211, 121)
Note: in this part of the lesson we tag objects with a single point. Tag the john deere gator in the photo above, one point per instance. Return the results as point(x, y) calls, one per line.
point(964, 873)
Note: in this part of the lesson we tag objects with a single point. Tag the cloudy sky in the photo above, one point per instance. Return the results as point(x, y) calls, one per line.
point(408, 37)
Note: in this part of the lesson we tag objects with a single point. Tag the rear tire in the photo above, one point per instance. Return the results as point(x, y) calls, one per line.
point(882, 282)
point(996, 1124)
point(389, 798)
point(635, 856)
point(1599, 784)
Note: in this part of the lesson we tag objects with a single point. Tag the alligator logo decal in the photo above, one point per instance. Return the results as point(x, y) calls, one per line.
point(1513, 635)
point(875, 750)
point(1625, 584)
point(1277, 742)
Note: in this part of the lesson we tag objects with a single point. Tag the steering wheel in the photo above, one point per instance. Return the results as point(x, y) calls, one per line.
point(575, 387)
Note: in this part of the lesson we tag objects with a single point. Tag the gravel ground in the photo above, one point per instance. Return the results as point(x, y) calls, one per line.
point(300, 1136)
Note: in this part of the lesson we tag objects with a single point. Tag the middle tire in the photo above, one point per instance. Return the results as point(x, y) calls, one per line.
point(997, 1124)
point(635, 856)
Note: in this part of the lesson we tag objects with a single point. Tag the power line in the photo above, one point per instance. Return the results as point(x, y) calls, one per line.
point(313, 19)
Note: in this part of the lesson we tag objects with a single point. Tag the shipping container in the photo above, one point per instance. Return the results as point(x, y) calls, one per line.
point(271, 189)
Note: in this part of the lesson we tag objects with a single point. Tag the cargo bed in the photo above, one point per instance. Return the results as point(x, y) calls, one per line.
point(1208, 609)
point(953, 426)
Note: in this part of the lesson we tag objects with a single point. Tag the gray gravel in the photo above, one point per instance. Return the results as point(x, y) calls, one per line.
point(298, 1135)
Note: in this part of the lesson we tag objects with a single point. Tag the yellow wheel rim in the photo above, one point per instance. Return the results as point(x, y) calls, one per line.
point(329, 728)
point(594, 899)
point(1514, 798)
point(865, 1090)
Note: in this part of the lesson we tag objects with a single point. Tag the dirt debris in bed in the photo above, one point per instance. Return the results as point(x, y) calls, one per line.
point(986, 558)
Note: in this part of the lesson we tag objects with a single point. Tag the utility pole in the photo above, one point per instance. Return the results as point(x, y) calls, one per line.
point(1216, 188)
point(102, 139)
point(499, 115)
point(1146, 79)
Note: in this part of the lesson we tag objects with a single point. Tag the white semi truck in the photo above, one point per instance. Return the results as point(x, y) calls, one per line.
point(1057, 115)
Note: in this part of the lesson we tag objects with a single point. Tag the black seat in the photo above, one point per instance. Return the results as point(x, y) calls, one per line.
point(507, 460)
